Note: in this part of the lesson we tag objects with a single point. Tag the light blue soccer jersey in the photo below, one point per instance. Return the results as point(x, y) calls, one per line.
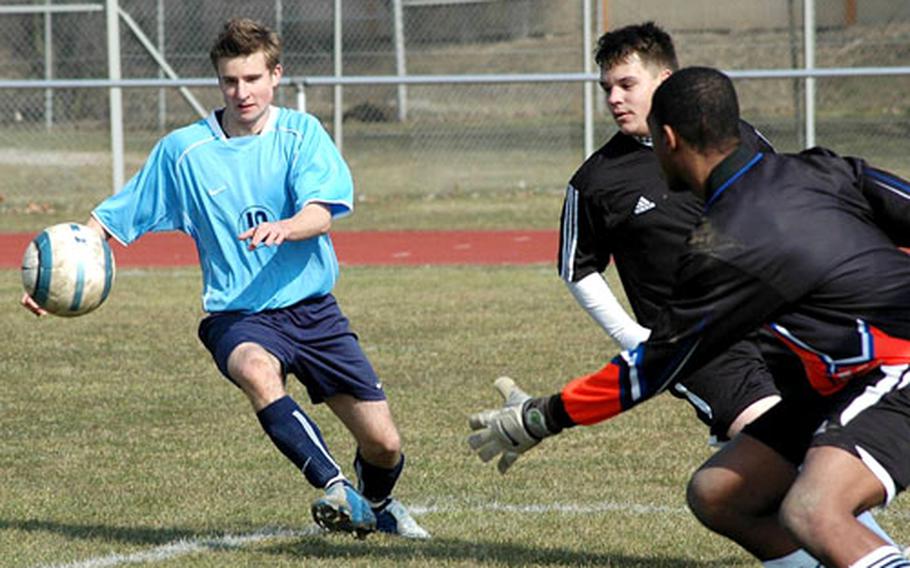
point(199, 181)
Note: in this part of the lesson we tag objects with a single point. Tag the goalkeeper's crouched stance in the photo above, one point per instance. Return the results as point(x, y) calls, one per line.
point(524, 421)
point(834, 311)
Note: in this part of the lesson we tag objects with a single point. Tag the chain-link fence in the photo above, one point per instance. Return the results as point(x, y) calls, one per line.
point(483, 137)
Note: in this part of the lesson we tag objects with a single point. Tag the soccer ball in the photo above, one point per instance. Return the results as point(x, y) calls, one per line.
point(68, 269)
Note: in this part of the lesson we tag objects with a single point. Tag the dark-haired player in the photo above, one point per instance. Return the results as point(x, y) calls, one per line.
point(617, 207)
point(796, 244)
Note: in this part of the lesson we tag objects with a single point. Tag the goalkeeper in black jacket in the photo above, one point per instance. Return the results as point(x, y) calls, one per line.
point(806, 246)
point(618, 209)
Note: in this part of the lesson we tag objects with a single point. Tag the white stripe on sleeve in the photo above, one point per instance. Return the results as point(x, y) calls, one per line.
point(569, 233)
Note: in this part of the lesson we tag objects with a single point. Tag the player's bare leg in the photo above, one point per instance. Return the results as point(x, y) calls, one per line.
point(379, 461)
point(258, 373)
point(819, 509)
point(371, 424)
point(750, 413)
point(737, 493)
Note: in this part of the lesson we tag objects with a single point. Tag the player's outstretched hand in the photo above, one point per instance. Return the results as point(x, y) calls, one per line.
point(31, 305)
point(265, 234)
point(505, 431)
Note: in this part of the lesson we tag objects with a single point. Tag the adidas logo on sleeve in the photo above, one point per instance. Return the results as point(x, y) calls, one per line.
point(643, 205)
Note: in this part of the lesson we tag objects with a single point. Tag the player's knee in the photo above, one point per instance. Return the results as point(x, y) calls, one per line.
point(256, 372)
point(805, 514)
point(249, 362)
point(801, 519)
point(709, 499)
point(382, 450)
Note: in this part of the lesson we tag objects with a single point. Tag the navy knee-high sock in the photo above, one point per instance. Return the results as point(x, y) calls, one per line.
point(300, 440)
point(376, 483)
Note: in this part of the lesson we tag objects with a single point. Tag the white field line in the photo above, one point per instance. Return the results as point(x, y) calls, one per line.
point(549, 508)
point(183, 547)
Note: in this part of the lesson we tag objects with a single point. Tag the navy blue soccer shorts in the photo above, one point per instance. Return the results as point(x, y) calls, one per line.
point(311, 339)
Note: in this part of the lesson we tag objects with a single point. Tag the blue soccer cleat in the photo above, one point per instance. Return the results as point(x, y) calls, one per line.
point(343, 509)
point(393, 518)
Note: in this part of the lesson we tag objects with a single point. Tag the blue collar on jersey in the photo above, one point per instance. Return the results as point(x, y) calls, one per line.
point(728, 171)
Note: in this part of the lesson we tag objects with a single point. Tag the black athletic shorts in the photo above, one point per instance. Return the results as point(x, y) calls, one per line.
point(726, 386)
point(870, 418)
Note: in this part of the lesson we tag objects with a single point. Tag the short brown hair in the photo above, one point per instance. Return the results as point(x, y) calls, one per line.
point(653, 45)
point(242, 37)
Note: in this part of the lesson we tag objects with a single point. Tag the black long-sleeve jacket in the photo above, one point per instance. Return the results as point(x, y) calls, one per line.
point(618, 207)
point(804, 245)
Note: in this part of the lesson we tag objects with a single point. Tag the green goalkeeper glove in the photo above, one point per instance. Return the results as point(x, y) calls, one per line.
point(511, 430)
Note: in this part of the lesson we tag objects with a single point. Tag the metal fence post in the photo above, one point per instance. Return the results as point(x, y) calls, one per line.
point(279, 29)
point(339, 103)
point(48, 69)
point(588, 86)
point(301, 96)
point(809, 35)
point(398, 23)
point(116, 93)
point(162, 93)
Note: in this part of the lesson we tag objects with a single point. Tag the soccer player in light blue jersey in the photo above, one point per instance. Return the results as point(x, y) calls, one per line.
point(257, 187)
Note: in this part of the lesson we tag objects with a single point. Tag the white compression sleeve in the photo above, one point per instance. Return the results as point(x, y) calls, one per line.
point(594, 295)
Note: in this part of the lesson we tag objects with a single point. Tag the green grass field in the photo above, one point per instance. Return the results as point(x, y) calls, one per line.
point(123, 445)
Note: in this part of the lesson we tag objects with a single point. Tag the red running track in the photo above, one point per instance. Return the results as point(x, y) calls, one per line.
point(354, 248)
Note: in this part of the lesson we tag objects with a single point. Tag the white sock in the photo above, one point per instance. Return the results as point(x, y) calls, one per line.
point(867, 519)
point(884, 557)
point(802, 559)
point(797, 559)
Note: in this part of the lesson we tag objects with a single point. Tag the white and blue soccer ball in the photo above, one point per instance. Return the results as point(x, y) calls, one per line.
point(68, 269)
